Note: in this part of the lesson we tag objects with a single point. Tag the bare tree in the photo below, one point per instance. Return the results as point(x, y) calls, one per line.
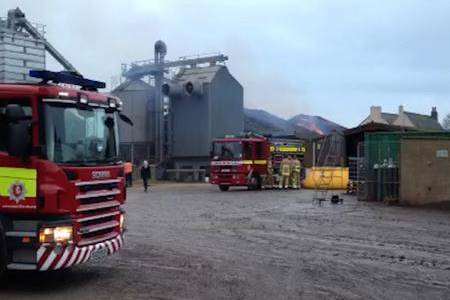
point(446, 122)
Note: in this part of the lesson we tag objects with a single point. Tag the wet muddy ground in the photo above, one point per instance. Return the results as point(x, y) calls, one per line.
point(190, 241)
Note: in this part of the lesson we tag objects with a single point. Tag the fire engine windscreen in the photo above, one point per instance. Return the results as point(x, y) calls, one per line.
point(227, 150)
point(80, 136)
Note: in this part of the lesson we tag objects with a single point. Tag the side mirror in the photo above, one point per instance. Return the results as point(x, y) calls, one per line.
point(18, 131)
point(109, 122)
point(126, 119)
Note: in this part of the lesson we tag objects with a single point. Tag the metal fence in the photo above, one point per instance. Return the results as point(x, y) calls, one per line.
point(353, 168)
point(186, 175)
point(137, 152)
point(377, 172)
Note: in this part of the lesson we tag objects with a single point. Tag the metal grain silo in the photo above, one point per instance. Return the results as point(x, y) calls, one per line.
point(205, 103)
point(137, 143)
point(19, 51)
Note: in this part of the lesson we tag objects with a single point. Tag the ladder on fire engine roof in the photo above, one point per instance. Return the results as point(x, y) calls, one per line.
point(329, 158)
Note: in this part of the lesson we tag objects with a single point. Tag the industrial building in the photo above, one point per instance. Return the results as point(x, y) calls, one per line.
point(213, 109)
point(177, 117)
point(23, 47)
point(173, 131)
point(19, 51)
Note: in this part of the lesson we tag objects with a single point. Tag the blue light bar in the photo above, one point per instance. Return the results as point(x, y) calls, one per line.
point(67, 77)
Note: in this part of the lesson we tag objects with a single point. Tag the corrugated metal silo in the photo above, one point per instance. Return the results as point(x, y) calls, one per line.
point(19, 52)
point(206, 103)
point(137, 143)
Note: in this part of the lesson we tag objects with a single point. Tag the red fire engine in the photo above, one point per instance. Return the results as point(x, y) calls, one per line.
point(61, 183)
point(243, 161)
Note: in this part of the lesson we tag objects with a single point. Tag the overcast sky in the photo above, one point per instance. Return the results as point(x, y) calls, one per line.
point(329, 58)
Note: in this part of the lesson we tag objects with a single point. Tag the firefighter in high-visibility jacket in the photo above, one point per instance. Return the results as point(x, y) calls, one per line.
point(269, 179)
point(296, 170)
point(285, 173)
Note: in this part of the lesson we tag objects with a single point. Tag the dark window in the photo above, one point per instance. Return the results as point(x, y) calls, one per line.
point(248, 151)
point(259, 151)
point(227, 150)
point(3, 122)
point(76, 135)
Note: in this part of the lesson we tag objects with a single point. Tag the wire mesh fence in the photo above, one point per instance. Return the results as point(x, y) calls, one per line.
point(378, 171)
point(353, 168)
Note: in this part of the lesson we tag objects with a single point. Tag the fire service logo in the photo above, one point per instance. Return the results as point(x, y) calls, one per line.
point(17, 191)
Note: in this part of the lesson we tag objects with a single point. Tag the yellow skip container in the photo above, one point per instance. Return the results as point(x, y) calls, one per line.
point(333, 178)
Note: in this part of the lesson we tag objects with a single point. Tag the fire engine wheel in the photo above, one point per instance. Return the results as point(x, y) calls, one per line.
point(255, 183)
point(224, 188)
point(3, 257)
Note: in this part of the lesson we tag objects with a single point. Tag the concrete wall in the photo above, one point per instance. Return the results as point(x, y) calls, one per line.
point(424, 171)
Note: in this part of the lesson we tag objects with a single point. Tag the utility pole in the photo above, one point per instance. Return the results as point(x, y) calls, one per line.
point(160, 53)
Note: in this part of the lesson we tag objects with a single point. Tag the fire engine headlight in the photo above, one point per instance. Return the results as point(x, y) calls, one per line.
point(84, 100)
point(60, 235)
point(119, 104)
point(112, 103)
point(122, 222)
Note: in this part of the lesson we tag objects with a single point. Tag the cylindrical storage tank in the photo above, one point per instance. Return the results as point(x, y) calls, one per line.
point(333, 178)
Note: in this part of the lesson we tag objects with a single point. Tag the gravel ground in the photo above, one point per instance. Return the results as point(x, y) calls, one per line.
point(190, 241)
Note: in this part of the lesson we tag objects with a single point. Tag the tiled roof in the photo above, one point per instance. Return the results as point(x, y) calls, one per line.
point(423, 122)
point(390, 118)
